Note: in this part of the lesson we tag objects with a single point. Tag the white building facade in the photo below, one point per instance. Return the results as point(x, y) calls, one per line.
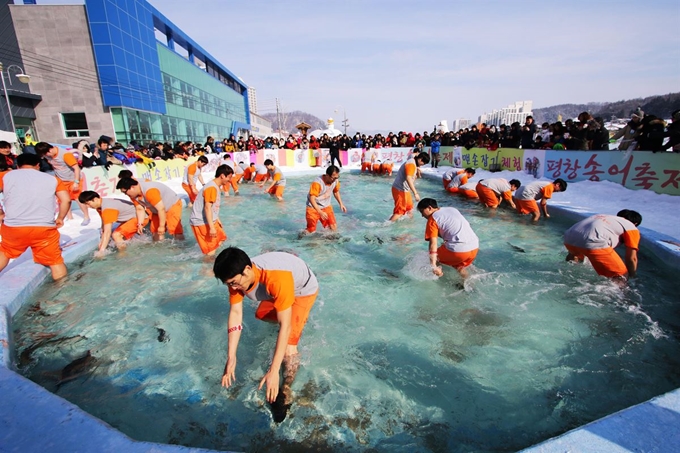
point(516, 112)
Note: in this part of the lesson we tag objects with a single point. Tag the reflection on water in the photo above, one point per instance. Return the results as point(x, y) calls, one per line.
point(393, 359)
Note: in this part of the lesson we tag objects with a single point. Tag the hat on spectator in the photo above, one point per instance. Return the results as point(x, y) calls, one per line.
point(638, 113)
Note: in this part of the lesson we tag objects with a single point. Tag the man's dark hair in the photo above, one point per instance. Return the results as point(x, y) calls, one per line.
point(470, 170)
point(332, 169)
point(124, 174)
point(203, 159)
point(252, 164)
point(28, 159)
point(230, 263)
point(224, 170)
point(4, 144)
point(103, 140)
point(42, 148)
point(561, 183)
point(423, 158)
point(87, 195)
point(126, 183)
point(268, 162)
point(227, 156)
point(633, 217)
point(515, 182)
point(427, 203)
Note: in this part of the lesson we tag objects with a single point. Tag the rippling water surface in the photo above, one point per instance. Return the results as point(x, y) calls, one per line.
point(392, 359)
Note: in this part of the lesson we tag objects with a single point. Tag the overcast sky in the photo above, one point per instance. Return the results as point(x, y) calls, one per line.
point(406, 65)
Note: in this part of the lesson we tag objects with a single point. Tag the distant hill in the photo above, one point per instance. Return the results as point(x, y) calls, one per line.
point(661, 106)
point(291, 119)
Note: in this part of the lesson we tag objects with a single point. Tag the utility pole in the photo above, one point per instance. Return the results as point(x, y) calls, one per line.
point(278, 116)
point(345, 121)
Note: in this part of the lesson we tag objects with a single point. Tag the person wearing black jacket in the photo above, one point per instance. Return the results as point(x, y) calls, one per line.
point(334, 150)
point(598, 136)
point(528, 132)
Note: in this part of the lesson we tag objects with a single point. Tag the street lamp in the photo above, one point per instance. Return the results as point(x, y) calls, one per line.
point(22, 77)
point(345, 120)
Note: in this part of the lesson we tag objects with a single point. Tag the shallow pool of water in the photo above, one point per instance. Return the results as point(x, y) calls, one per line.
point(393, 359)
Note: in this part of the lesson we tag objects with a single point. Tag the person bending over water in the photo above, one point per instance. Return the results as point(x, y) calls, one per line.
point(286, 289)
point(460, 242)
point(596, 238)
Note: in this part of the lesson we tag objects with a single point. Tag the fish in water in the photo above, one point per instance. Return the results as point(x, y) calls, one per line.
point(389, 273)
point(77, 368)
point(279, 407)
point(26, 355)
point(516, 248)
point(163, 336)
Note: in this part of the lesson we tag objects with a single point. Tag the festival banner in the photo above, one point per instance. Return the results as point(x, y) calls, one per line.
point(451, 156)
point(272, 154)
point(354, 156)
point(481, 158)
point(534, 162)
point(397, 155)
point(658, 172)
point(301, 158)
point(242, 156)
point(101, 180)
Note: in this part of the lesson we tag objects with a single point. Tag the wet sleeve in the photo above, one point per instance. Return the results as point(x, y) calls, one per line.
point(210, 195)
point(153, 196)
point(70, 159)
point(277, 176)
point(431, 229)
point(337, 187)
point(315, 189)
point(191, 171)
point(410, 169)
point(281, 286)
point(109, 216)
point(463, 180)
point(507, 195)
point(631, 238)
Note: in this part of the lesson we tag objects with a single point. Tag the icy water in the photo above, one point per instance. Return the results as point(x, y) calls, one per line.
point(392, 359)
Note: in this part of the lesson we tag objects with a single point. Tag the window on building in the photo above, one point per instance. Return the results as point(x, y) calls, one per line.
point(75, 125)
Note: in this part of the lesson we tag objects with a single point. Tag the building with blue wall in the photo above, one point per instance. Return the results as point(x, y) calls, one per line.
point(121, 68)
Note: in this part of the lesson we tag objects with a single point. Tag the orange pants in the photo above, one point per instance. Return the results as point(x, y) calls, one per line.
point(314, 217)
point(526, 206)
point(365, 166)
point(468, 193)
point(487, 196)
point(205, 242)
point(301, 308)
point(129, 228)
point(43, 241)
point(452, 189)
point(276, 191)
point(260, 177)
point(376, 168)
point(403, 203)
point(173, 220)
point(446, 182)
point(386, 169)
point(606, 262)
point(191, 193)
point(456, 260)
point(69, 186)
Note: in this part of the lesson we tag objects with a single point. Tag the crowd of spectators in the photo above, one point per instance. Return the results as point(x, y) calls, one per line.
point(642, 132)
